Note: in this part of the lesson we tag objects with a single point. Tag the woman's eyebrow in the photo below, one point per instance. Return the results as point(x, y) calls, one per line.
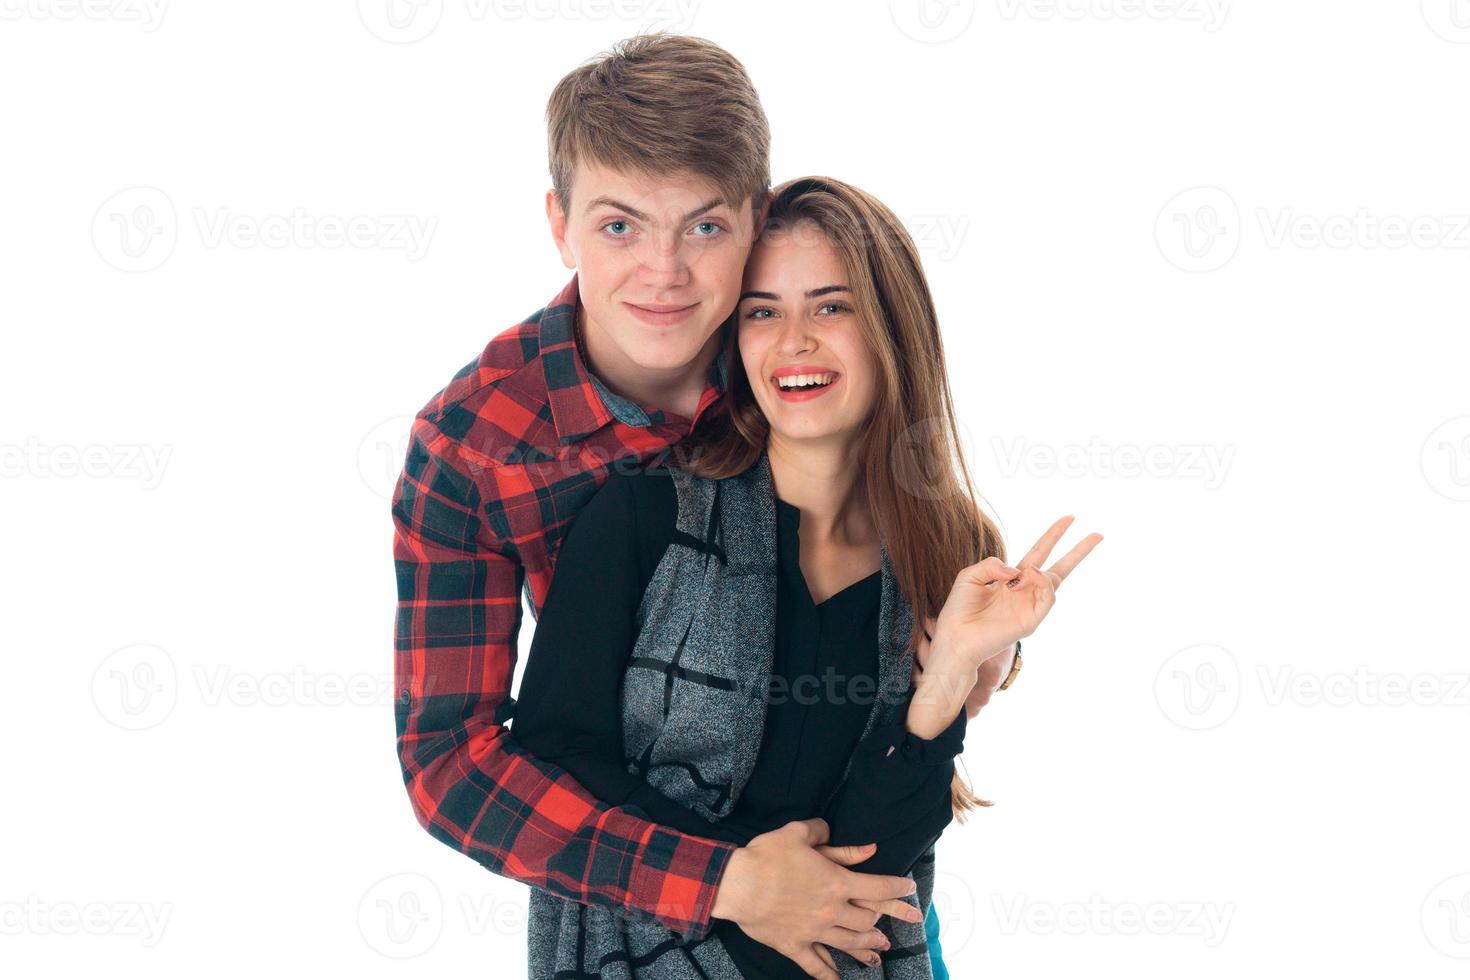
point(810, 293)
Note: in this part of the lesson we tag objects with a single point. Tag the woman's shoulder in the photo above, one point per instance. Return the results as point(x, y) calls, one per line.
point(641, 507)
point(623, 527)
point(632, 502)
point(630, 486)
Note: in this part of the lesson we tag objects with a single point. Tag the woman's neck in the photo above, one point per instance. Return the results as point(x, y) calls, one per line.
point(822, 481)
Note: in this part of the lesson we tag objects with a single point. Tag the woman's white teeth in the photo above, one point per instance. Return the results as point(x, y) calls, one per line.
point(800, 380)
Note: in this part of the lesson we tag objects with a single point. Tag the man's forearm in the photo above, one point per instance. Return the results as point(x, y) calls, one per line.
point(536, 825)
point(470, 785)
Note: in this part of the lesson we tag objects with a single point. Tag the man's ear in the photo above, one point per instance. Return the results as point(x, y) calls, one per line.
point(765, 209)
point(557, 218)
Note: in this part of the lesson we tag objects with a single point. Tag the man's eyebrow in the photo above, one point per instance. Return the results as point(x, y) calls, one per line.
point(620, 206)
point(810, 293)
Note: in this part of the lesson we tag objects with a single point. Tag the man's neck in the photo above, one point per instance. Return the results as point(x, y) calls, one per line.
point(674, 391)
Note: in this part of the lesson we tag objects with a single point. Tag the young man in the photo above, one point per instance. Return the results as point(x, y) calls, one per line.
point(659, 156)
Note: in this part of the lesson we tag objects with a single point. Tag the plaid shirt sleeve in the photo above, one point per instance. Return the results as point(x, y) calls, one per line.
point(471, 785)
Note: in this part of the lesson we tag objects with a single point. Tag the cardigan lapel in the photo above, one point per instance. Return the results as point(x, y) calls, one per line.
point(748, 510)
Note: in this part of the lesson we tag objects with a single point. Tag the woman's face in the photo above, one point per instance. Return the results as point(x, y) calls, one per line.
point(796, 318)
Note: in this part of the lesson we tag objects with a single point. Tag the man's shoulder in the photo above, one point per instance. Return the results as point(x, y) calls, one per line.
point(497, 405)
point(511, 358)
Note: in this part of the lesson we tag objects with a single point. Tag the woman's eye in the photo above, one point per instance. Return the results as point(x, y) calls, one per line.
point(834, 307)
point(755, 313)
point(616, 228)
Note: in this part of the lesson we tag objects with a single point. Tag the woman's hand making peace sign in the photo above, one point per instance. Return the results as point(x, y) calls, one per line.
point(992, 605)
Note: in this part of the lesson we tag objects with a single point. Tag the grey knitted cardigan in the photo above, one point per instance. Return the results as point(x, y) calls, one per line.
point(693, 715)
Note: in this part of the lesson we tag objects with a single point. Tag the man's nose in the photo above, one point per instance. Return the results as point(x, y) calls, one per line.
point(664, 261)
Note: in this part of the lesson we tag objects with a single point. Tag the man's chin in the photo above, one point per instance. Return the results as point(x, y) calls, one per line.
point(665, 362)
point(664, 349)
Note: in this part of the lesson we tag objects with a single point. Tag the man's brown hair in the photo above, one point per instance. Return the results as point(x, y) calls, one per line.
point(662, 104)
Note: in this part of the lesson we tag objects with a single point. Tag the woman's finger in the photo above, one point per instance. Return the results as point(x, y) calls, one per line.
point(814, 965)
point(1063, 566)
point(867, 956)
point(840, 938)
point(1045, 543)
point(869, 912)
point(847, 853)
point(989, 570)
point(861, 955)
point(825, 955)
point(895, 907)
point(1045, 586)
point(860, 926)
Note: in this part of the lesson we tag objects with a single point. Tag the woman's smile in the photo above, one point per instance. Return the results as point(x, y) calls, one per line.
point(802, 384)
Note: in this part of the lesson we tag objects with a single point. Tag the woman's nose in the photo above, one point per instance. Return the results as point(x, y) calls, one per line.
point(795, 337)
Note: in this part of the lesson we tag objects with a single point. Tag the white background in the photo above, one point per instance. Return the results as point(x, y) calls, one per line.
point(1201, 268)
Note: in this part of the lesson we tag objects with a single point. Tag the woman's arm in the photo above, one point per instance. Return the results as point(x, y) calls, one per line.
point(569, 709)
point(897, 793)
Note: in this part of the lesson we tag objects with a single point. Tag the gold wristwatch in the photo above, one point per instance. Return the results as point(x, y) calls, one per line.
point(1015, 669)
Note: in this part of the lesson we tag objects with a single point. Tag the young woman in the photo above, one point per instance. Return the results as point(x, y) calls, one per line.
point(729, 641)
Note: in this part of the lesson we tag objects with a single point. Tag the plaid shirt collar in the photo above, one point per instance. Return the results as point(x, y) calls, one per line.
point(580, 403)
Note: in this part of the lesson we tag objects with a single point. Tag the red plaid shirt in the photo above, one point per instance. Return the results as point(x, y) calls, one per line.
point(498, 464)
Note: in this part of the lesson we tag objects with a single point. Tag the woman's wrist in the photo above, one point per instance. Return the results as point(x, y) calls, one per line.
point(938, 699)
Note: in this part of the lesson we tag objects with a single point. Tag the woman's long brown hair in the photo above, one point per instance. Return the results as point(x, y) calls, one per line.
point(915, 479)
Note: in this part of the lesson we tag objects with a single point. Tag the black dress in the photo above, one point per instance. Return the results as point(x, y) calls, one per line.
point(825, 669)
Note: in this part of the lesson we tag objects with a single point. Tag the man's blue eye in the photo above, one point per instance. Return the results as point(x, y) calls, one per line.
point(616, 227)
point(710, 225)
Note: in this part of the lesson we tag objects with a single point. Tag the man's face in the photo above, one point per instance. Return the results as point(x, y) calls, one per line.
point(659, 260)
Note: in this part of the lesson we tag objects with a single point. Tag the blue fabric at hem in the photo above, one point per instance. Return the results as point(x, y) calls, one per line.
point(931, 936)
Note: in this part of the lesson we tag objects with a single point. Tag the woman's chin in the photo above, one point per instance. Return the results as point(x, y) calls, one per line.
point(808, 432)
